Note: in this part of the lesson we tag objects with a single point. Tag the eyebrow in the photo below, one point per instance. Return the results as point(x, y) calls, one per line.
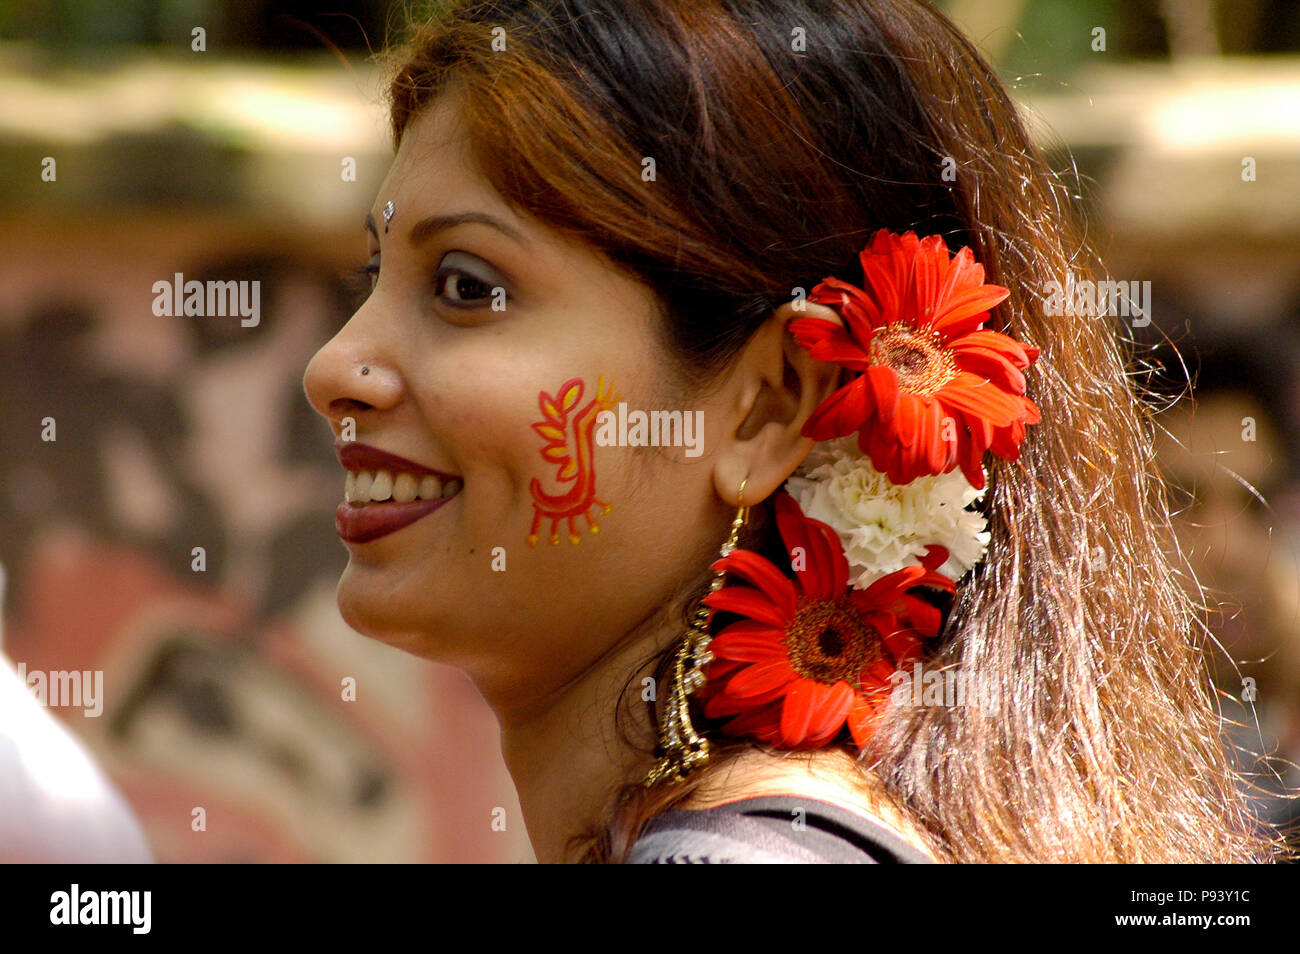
point(423, 230)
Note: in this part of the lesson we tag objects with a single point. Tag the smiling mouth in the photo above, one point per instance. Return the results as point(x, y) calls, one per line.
point(377, 503)
point(384, 492)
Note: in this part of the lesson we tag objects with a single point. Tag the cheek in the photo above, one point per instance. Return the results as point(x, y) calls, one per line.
point(530, 409)
point(576, 505)
point(476, 406)
point(620, 518)
point(524, 424)
point(566, 497)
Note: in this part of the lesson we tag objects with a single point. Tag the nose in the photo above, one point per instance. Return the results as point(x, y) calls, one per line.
point(352, 375)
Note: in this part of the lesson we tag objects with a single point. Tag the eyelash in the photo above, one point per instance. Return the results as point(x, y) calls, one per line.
point(442, 276)
point(361, 283)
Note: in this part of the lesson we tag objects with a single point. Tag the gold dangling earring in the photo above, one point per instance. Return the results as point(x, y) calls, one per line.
point(681, 750)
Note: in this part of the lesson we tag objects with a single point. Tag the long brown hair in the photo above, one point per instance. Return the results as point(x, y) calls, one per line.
point(730, 152)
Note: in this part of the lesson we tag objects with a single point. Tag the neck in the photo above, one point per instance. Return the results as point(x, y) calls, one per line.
point(571, 751)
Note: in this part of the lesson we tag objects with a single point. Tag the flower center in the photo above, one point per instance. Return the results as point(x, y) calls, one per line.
point(923, 366)
point(828, 642)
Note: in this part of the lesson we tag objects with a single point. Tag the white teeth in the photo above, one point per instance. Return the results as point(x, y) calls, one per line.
point(430, 488)
point(382, 488)
point(364, 486)
point(364, 479)
point(404, 488)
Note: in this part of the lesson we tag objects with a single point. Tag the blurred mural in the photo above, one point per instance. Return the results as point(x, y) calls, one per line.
point(166, 494)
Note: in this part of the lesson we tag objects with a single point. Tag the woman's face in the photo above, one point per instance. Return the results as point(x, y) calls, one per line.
point(475, 312)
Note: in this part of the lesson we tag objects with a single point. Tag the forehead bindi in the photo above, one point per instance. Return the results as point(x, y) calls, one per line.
point(434, 176)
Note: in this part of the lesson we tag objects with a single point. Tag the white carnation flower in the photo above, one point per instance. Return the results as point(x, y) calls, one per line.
point(884, 527)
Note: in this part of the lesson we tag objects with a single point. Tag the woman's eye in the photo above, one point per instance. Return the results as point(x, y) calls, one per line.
point(463, 287)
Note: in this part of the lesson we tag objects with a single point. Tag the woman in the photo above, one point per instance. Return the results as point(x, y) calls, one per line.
point(603, 335)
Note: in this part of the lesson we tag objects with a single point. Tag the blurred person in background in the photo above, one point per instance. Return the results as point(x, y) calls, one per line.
point(1231, 450)
point(56, 805)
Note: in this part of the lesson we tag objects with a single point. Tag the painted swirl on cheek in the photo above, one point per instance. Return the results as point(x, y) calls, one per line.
point(570, 435)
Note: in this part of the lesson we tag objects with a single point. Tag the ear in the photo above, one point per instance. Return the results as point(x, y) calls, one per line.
point(776, 387)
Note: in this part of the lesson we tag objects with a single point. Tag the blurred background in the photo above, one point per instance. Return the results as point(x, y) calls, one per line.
point(244, 140)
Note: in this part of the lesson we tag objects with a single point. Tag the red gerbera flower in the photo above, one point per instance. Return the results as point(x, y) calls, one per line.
point(809, 656)
point(916, 334)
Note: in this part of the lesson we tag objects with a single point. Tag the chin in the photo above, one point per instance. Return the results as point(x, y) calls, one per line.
point(385, 617)
point(363, 609)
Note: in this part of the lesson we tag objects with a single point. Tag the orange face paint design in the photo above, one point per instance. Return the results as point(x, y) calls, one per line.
point(570, 435)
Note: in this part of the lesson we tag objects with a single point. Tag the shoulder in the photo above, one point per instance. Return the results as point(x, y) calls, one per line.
point(814, 808)
point(779, 829)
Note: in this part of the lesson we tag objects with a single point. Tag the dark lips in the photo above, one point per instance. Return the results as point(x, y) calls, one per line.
point(375, 520)
point(354, 456)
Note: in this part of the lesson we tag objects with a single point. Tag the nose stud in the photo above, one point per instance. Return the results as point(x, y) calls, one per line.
point(365, 369)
